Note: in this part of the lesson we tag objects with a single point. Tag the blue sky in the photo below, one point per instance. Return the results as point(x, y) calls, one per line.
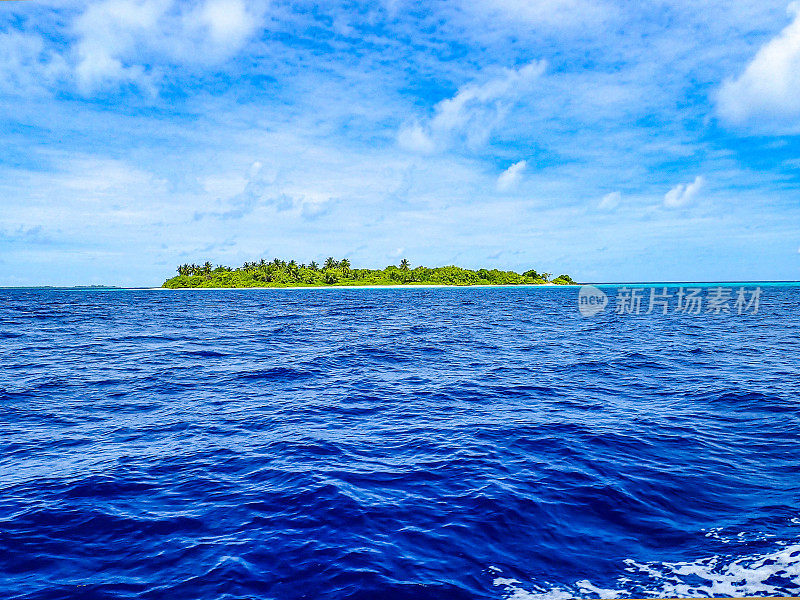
point(608, 140)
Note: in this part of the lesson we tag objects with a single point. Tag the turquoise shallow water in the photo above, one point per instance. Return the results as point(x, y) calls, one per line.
point(384, 443)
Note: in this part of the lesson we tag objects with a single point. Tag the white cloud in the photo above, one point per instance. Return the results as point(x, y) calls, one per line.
point(82, 193)
point(511, 176)
point(683, 193)
point(228, 23)
point(414, 138)
point(121, 40)
point(26, 65)
point(474, 111)
point(610, 201)
point(392, 7)
point(264, 191)
point(543, 12)
point(99, 179)
point(314, 209)
point(107, 32)
point(769, 87)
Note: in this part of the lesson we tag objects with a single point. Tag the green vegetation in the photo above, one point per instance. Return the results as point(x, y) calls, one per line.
point(279, 273)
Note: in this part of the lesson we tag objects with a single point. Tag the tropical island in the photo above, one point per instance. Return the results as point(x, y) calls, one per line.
point(280, 273)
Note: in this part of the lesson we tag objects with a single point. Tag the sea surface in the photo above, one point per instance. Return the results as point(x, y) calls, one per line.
point(395, 444)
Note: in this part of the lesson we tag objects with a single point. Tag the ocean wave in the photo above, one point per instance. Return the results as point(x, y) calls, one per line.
point(775, 573)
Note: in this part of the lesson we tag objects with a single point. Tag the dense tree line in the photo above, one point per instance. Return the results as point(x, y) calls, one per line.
point(277, 273)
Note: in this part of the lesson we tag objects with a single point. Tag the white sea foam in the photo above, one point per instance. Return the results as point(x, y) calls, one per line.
point(776, 573)
point(718, 533)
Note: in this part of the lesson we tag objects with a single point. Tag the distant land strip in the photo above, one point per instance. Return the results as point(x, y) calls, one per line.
point(280, 273)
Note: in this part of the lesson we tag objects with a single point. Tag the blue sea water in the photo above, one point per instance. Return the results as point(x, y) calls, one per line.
point(383, 443)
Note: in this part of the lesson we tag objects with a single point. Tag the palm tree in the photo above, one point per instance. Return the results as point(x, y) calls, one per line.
point(292, 268)
point(344, 265)
point(330, 263)
point(207, 268)
point(404, 264)
point(313, 265)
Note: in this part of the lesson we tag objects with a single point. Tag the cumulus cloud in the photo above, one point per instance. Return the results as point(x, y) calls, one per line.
point(509, 178)
point(472, 113)
point(683, 193)
point(769, 87)
point(610, 201)
point(121, 40)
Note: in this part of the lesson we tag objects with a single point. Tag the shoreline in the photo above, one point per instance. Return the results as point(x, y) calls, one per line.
point(370, 287)
point(669, 284)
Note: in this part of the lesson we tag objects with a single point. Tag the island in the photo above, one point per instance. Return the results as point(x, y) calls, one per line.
point(280, 273)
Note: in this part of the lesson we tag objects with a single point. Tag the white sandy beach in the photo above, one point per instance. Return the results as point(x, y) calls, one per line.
point(369, 287)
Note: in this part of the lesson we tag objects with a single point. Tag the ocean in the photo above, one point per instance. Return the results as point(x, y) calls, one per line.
point(420, 443)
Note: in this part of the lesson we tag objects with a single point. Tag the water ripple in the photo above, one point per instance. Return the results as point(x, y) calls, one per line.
point(417, 443)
